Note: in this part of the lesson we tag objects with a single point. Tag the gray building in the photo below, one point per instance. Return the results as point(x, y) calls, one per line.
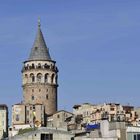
point(45, 134)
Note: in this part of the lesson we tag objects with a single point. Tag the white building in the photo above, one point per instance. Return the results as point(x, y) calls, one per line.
point(3, 121)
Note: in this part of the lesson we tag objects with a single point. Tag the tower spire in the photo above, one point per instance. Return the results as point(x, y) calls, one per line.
point(39, 22)
point(39, 50)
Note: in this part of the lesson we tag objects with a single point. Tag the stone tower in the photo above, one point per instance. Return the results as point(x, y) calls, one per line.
point(39, 75)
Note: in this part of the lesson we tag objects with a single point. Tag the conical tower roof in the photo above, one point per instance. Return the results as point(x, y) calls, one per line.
point(39, 50)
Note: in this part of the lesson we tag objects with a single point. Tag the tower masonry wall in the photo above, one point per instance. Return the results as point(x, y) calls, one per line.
point(40, 84)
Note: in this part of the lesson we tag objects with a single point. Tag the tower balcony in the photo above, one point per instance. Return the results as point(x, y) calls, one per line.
point(45, 67)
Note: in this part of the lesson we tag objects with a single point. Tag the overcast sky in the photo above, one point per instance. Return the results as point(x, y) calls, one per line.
point(96, 44)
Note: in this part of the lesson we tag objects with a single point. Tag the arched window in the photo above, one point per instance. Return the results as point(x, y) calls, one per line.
point(32, 77)
point(26, 76)
point(52, 79)
point(39, 77)
point(33, 66)
point(46, 78)
point(39, 66)
point(45, 66)
point(27, 66)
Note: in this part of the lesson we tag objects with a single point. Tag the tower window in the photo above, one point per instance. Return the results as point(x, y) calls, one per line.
point(32, 77)
point(32, 90)
point(39, 77)
point(33, 66)
point(35, 48)
point(45, 66)
point(39, 65)
point(39, 90)
point(47, 96)
point(27, 66)
point(26, 77)
point(33, 107)
point(46, 78)
point(33, 97)
point(52, 79)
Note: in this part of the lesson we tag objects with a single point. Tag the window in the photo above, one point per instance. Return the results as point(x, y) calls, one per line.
point(47, 96)
point(58, 116)
point(46, 78)
point(112, 109)
point(36, 48)
point(27, 66)
point(17, 117)
point(39, 90)
point(26, 76)
point(39, 65)
point(46, 136)
point(32, 77)
point(45, 66)
point(39, 77)
point(33, 97)
point(138, 136)
point(33, 106)
point(135, 137)
point(52, 79)
point(33, 66)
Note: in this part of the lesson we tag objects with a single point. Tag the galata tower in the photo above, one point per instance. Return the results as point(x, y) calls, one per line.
point(39, 76)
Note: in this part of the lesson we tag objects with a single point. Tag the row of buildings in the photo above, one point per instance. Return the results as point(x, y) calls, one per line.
point(86, 121)
point(37, 117)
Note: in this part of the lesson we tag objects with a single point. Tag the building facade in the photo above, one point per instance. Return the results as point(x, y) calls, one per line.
point(39, 75)
point(28, 114)
point(111, 111)
point(3, 121)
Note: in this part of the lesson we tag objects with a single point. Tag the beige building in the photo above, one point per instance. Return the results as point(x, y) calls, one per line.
point(58, 119)
point(131, 115)
point(26, 116)
point(18, 114)
point(85, 110)
point(110, 111)
point(3, 121)
point(33, 115)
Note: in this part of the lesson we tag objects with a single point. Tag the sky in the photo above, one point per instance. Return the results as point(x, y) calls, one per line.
point(96, 44)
